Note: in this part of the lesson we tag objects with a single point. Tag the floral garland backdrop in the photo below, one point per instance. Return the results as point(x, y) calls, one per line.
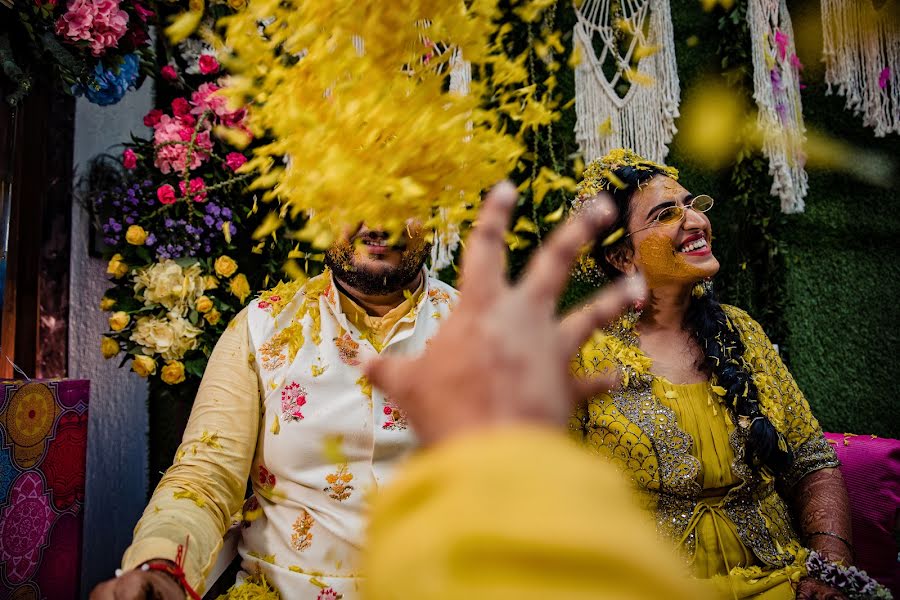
point(96, 48)
point(178, 224)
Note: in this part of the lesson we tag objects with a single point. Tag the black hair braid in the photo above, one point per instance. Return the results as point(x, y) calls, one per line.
point(723, 356)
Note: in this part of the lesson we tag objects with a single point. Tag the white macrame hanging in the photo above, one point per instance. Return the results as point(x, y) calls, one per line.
point(644, 119)
point(861, 48)
point(776, 89)
point(446, 238)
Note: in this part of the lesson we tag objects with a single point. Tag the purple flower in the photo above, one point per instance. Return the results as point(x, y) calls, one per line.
point(226, 214)
point(210, 222)
point(151, 239)
point(884, 77)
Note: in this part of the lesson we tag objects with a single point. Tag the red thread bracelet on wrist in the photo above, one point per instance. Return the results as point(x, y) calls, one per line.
point(176, 572)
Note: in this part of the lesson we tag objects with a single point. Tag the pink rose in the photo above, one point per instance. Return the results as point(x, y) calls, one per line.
point(152, 117)
point(166, 194)
point(180, 107)
point(129, 158)
point(208, 64)
point(196, 188)
point(234, 160)
point(168, 72)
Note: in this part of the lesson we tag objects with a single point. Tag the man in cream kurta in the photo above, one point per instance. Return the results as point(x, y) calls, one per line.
point(285, 403)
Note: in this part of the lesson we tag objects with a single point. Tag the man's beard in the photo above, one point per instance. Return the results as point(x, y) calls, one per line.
point(379, 281)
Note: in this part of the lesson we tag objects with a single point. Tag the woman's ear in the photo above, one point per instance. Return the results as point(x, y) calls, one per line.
point(620, 256)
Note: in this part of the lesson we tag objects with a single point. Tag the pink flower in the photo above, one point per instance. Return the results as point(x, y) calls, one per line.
point(795, 62)
point(180, 107)
point(208, 64)
point(196, 189)
point(166, 194)
point(782, 41)
point(168, 72)
point(152, 117)
point(171, 137)
point(206, 98)
point(101, 23)
point(129, 158)
point(884, 77)
point(143, 12)
point(234, 160)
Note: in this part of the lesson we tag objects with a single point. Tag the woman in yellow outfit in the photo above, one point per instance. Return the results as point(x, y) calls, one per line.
point(707, 422)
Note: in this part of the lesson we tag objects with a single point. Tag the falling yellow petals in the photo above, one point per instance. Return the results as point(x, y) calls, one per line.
point(692, 41)
point(645, 51)
point(556, 215)
point(210, 439)
point(276, 426)
point(269, 224)
point(525, 224)
point(269, 558)
point(671, 394)
point(184, 25)
point(605, 128)
point(190, 495)
point(638, 78)
point(613, 237)
point(226, 231)
point(333, 449)
point(718, 390)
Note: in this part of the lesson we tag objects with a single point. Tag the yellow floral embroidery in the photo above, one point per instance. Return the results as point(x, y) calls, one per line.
point(438, 297)
point(348, 349)
point(272, 352)
point(339, 487)
point(302, 537)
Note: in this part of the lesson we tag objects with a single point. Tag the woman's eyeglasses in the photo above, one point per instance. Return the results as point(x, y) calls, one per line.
point(674, 214)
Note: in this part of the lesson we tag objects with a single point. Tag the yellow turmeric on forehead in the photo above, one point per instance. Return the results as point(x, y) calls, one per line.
point(661, 262)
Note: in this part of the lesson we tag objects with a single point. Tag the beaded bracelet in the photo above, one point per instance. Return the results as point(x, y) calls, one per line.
point(853, 583)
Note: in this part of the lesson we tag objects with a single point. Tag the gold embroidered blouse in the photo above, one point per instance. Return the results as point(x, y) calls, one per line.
point(640, 432)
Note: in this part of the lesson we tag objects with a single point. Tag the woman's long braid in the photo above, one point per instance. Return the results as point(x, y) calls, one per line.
point(723, 356)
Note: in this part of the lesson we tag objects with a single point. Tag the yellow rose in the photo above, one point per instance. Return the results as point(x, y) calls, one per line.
point(239, 287)
point(204, 304)
point(119, 320)
point(136, 235)
point(109, 347)
point(143, 365)
point(116, 267)
point(107, 303)
point(210, 282)
point(225, 266)
point(173, 372)
point(213, 316)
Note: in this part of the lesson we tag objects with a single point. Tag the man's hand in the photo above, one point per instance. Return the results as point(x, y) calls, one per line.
point(139, 585)
point(502, 357)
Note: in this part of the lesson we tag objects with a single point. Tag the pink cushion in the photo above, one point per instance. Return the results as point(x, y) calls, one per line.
point(871, 467)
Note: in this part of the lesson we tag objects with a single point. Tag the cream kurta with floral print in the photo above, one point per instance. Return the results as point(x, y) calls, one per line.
point(324, 442)
point(327, 439)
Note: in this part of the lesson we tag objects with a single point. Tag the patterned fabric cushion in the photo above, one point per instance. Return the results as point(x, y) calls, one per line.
point(43, 444)
point(871, 467)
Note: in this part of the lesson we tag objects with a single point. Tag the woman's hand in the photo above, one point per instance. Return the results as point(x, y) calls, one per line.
point(813, 589)
point(502, 357)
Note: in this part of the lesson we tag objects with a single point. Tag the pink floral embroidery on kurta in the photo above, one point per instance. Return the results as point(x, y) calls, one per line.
point(292, 398)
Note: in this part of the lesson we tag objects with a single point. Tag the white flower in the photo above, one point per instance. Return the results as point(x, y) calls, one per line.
point(170, 337)
point(166, 283)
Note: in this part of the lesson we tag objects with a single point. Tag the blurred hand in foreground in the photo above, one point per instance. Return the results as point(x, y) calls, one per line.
point(503, 355)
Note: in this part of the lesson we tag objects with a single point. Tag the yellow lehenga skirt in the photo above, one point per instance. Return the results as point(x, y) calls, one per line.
point(720, 555)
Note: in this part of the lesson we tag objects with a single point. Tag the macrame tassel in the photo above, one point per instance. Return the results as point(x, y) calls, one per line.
point(776, 89)
point(644, 120)
point(861, 48)
point(446, 239)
